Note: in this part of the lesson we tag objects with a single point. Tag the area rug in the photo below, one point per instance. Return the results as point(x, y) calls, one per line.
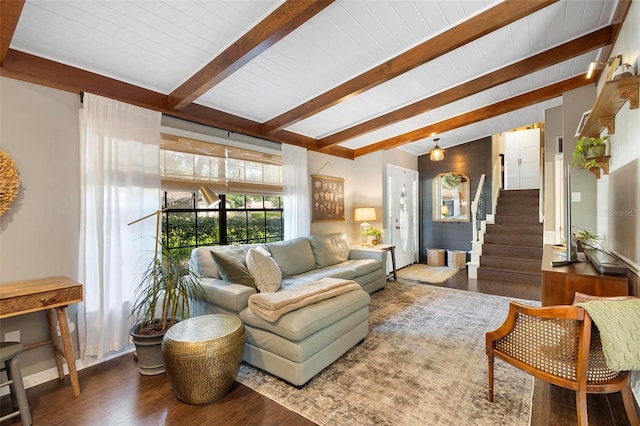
point(426, 273)
point(423, 363)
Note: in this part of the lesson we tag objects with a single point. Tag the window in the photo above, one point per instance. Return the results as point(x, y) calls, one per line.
point(248, 182)
point(238, 219)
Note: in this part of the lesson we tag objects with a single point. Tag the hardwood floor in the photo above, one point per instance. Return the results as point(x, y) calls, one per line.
point(113, 393)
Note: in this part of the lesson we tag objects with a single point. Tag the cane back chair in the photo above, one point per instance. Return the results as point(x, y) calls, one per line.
point(556, 344)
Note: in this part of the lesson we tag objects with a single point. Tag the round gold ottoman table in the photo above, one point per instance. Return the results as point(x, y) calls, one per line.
point(202, 356)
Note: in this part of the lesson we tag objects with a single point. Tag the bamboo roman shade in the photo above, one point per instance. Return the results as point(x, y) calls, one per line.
point(187, 163)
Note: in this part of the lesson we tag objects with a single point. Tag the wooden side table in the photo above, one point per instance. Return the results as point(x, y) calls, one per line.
point(202, 356)
point(560, 283)
point(51, 295)
point(385, 247)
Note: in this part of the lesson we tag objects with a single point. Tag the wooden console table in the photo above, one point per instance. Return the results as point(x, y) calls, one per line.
point(49, 295)
point(560, 283)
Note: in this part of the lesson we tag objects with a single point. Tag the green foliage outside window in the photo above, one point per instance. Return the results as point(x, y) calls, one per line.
point(250, 219)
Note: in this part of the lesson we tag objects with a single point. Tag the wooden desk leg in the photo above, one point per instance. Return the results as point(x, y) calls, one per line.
point(53, 335)
point(393, 262)
point(68, 349)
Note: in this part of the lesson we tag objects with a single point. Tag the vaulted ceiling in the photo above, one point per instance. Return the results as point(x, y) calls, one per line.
point(342, 77)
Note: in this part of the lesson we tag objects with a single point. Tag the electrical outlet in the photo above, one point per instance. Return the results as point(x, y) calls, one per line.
point(72, 327)
point(12, 336)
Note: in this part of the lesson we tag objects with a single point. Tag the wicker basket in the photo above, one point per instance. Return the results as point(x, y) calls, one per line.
point(435, 257)
point(457, 259)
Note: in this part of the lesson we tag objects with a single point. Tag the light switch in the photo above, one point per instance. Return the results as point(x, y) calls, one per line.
point(576, 197)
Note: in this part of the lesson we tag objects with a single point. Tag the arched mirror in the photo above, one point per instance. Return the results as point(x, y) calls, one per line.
point(451, 197)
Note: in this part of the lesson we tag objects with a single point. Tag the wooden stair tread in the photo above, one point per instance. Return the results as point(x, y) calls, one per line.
point(519, 271)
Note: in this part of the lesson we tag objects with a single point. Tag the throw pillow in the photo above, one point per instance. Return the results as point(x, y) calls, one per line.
point(264, 270)
point(231, 265)
point(330, 249)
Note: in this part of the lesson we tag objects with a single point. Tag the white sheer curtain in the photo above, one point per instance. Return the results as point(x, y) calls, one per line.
point(295, 186)
point(120, 182)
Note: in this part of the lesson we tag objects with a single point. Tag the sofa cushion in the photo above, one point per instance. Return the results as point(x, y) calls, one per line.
point(231, 264)
point(364, 266)
point(232, 298)
point(330, 249)
point(293, 256)
point(201, 262)
point(302, 323)
point(263, 269)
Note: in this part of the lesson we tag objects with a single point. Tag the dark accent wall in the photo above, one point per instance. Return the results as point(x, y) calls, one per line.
point(472, 159)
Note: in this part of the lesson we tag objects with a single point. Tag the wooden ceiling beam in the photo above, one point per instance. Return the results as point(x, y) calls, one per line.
point(10, 11)
point(512, 104)
point(26, 67)
point(486, 22)
point(556, 55)
point(268, 32)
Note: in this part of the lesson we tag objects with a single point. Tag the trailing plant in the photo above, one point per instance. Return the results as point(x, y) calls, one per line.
point(169, 286)
point(581, 156)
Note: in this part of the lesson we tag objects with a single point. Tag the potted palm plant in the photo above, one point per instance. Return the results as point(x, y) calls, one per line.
point(164, 296)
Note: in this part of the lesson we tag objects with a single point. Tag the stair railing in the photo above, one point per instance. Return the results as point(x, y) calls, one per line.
point(477, 209)
point(496, 180)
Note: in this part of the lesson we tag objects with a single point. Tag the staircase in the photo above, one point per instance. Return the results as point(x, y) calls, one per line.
point(512, 249)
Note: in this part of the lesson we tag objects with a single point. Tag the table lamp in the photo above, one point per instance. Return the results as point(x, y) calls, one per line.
point(363, 214)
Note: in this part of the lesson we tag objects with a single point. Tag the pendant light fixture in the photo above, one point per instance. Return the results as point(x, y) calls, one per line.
point(437, 153)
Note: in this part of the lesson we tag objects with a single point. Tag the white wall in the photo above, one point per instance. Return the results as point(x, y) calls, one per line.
point(39, 234)
point(625, 158)
point(552, 130)
point(574, 104)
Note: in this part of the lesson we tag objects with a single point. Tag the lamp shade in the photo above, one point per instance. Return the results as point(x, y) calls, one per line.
point(209, 196)
point(363, 214)
point(437, 153)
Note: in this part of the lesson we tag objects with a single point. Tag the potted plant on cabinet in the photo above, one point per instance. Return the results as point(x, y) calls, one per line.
point(164, 295)
point(590, 153)
point(586, 238)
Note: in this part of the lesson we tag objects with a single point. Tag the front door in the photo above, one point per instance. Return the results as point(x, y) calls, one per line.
point(403, 213)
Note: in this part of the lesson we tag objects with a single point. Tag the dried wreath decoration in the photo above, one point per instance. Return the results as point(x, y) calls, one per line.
point(9, 181)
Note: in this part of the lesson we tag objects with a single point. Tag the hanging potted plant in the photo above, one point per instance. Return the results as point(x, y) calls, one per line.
point(588, 151)
point(164, 295)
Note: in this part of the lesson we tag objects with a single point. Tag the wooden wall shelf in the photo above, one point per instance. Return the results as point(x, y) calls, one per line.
point(602, 163)
point(613, 96)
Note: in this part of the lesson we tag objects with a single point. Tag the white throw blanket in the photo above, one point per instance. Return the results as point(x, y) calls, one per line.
point(271, 306)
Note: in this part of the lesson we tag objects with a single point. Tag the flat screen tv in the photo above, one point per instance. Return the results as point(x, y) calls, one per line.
point(572, 250)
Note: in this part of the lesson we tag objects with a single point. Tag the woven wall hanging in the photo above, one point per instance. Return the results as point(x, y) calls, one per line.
point(9, 181)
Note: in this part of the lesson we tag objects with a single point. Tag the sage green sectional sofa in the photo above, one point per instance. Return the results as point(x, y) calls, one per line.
point(303, 342)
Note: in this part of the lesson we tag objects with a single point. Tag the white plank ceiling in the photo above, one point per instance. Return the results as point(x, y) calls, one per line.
point(158, 45)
